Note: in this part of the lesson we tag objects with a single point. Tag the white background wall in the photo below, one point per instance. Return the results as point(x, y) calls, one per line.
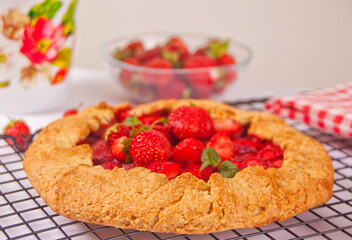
point(301, 43)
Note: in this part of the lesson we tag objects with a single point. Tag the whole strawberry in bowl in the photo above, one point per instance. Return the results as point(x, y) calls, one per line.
point(153, 66)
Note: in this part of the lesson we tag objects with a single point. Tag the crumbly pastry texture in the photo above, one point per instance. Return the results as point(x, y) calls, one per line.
point(64, 176)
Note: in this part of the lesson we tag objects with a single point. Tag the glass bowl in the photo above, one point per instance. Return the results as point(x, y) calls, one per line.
point(142, 84)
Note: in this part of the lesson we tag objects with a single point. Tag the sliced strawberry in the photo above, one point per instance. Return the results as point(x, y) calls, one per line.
point(188, 150)
point(111, 165)
point(191, 122)
point(116, 149)
point(170, 169)
point(194, 169)
point(222, 144)
point(149, 146)
point(226, 125)
point(244, 145)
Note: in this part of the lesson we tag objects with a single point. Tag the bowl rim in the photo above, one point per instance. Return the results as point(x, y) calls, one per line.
point(111, 60)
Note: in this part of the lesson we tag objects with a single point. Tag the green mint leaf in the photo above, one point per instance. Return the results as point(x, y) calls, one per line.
point(132, 121)
point(126, 145)
point(211, 156)
point(160, 120)
point(228, 169)
point(204, 165)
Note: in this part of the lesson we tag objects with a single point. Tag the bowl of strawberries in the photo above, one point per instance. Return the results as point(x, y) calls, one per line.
point(153, 66)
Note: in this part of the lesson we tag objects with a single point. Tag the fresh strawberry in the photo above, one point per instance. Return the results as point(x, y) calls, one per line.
point(20, 131)
point(200, 51)
point(116, 149)
point(226, 59)
point(191, 122)
point(189, 150)
point(126, 74)
point(110, 165)
point(70, 112)
point(149, 119)
point(121, 115)
point(201, 77)
point(170, 169)
point(194, 169)
point(226, 125)
point(157, 78)
point(166, 130)
point(149, 54)
point(101, 152)
point(136, 47)
point(149, 146)
point(244, 145)
point(175, 89)
point(222, 144)
point(121, 131)
point(175, 44)
point(270, 152)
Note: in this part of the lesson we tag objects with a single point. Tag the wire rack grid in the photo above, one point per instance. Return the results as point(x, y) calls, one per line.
point(23, 214)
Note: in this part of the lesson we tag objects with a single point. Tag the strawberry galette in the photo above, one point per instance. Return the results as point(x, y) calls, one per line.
point(182, 166)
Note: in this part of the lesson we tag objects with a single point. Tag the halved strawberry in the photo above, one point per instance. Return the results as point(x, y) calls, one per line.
point(227, 125)
point(189, 150)
point(222, 144)
point(149, 119)
point(116, 149)
point(170, 169)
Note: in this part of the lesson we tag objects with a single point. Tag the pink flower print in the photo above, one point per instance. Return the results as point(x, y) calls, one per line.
point(41, 42)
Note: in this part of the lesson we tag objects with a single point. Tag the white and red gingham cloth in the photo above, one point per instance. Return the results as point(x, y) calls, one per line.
point(329, 109)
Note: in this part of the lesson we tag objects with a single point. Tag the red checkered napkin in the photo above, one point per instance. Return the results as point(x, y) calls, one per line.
point(329, 109)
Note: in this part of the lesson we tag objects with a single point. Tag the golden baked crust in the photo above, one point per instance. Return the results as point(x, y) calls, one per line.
point(63, 174)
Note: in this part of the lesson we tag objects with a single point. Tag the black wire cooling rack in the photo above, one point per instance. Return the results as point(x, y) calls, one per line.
point(23, 214)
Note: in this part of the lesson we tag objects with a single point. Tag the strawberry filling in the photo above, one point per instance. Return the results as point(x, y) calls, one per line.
point(185, 140)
